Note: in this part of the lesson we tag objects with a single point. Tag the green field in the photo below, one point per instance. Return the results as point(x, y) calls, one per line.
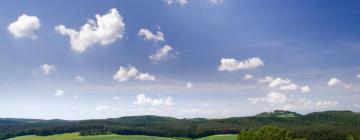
point(75, 136)
point(220, 137)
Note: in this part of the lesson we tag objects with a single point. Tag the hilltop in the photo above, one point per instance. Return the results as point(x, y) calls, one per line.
point(278, 113)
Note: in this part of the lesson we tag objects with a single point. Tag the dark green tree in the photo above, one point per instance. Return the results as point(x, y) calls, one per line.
point(266, 133)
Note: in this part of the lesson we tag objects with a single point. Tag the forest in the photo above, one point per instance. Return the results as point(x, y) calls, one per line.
point(328, 125)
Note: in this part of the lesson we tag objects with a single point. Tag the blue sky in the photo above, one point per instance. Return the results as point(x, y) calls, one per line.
point(309, 50)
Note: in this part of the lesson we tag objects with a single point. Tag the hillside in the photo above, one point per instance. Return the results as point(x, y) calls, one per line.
point(336, 124)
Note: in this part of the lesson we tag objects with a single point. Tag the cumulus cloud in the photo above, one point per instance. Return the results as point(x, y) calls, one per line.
point(105, 30)
point(289, 87)
point(326, 104)
point(161, 54)
point(253, 100)
point(305, 89)
point(143, 99)
point(303, 103)
point(24, 26)
point(334, 82)
point(247, 77)
point(180, 2)
point(279, 82)
point(266, 79)
point(79, 78)
point(125, 73)
point(189, 85)
point(284, 84)
point(216, 1)
point(102, 108)
point(283, 102)
point(59, 92)
point(46, 69)
point(145, 77)
point(148, 35)
point(231, 64)
point(275, 98)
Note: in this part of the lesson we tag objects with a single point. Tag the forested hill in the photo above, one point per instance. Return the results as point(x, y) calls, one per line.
point(278, 113)
point(318, 125)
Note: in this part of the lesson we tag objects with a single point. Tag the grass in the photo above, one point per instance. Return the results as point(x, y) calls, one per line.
point(76, 136)
point(220, 137)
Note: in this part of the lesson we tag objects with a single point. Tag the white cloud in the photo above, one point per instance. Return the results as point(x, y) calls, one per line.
point(305, 89)
point(181, 2)
point(105, 30)
point(275, 98)
point(289, 87)
point(161, 54)
point(145, 77)
point(267, 79)
point(282, 101)
point(102, 108)
point(358, 76)
point(334, 82)
point(189, 85)
point(116, 97)
point(124, 74)
point(231, 64)
point(24, 26)
point(46, 69)
point(79, 78)
point(247, 77)
point(148, 35)
point(254, 100)
point(279, 82)
point(347, 86)
point(302, 103)
point(59, 92)
point(143, 99)
point(284, 84)
point(191, 111)
point(326, 104)
point(216, 1)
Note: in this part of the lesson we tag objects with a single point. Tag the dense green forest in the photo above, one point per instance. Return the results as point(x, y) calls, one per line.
point(329, 125)
point(267, 133)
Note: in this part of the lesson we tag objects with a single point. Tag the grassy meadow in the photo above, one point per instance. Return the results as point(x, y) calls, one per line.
point(220, 137)
point(76, 136)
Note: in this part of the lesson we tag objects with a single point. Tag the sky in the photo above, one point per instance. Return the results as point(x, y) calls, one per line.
point(181, 58)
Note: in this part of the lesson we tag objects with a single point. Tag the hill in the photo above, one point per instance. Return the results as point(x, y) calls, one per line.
point(278, 113)
point(328, 125)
